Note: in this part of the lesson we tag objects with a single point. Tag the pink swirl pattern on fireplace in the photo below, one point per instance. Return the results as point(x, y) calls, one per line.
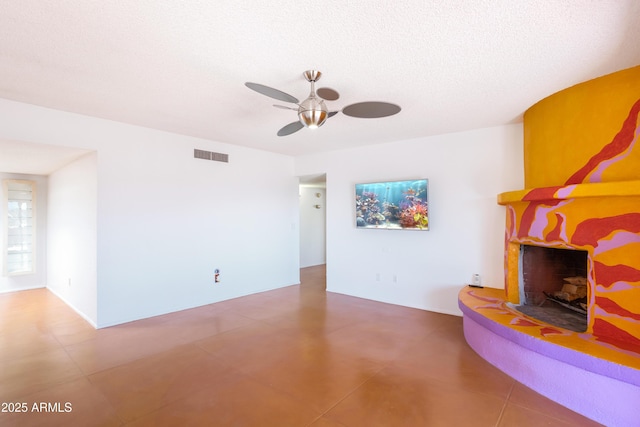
point(584, 215)
point(581, 203)
point(611, 153)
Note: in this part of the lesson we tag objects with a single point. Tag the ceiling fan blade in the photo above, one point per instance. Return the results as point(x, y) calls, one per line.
point(332, 113)
point(290, 128)
point(284, 107)
point(271, 92)
point(327, 94)
point(371, 110)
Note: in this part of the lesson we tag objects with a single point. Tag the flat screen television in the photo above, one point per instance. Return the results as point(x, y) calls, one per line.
point(393, 205)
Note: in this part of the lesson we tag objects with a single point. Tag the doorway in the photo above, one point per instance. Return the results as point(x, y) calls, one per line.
point(312, 204)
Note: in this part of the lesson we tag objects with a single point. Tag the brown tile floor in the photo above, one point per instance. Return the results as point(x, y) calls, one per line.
point(296, 356)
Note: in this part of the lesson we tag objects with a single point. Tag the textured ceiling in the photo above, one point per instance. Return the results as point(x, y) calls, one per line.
point(181, 66)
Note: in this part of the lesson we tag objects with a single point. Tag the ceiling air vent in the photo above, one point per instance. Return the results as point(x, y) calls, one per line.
point(210, 155)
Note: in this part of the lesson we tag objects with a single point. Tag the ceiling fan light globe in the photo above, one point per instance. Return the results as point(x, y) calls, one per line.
point(312, 119)
point(312, 112)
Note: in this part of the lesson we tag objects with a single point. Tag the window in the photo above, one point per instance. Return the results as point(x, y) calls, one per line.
point(19, 224)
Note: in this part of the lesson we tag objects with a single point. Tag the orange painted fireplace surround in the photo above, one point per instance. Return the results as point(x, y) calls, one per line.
point(582, 173)
point(582, 179)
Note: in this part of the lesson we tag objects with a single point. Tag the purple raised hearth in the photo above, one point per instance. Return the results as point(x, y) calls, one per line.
point(606, 392)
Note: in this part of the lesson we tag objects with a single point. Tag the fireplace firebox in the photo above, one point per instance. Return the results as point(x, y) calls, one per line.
point(553, 286)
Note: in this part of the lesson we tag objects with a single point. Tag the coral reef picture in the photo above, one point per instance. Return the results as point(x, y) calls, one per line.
point(393, 205)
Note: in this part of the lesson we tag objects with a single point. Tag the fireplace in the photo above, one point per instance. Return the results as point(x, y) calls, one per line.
point(567, 323)
point(553, 286)
point(587, 362)
point(601, 219)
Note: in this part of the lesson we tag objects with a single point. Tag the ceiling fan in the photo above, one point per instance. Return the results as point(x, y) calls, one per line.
point(313, 112)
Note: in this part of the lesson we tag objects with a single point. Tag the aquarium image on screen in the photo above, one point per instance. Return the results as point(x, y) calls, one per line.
point(393, 205)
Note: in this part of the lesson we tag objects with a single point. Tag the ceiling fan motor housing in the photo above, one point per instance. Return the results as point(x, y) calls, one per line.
point(312, 111)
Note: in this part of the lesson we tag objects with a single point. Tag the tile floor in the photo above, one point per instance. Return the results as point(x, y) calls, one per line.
point(296, 356)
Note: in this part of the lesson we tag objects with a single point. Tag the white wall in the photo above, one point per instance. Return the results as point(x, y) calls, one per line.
point(165, 220)
point(38, 279)
point(312, 226)
point(466, 171)
point(72, 234)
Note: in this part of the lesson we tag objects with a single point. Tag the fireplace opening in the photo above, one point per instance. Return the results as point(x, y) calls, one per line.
point(553, 286)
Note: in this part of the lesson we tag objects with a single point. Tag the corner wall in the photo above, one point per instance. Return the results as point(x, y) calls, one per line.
point(466, 227)
point(71, 236)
